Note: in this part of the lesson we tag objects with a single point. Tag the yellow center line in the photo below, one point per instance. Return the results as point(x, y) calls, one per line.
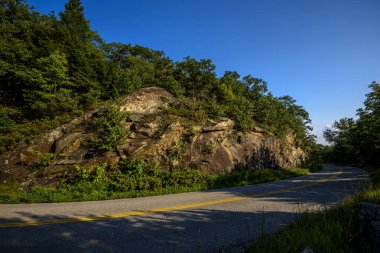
point(161, 210)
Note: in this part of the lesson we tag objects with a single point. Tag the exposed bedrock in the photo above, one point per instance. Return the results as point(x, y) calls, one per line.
point(213, 146)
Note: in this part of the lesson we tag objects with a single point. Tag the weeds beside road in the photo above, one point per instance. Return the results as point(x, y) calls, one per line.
point(332, 230)
point(137, 179)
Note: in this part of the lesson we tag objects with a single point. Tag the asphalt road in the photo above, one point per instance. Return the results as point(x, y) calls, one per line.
point(209, 221)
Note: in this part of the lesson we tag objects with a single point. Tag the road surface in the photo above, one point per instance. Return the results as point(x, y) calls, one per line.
point(209, 221)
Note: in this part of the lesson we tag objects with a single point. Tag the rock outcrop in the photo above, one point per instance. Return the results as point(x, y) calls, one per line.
point(213, 146)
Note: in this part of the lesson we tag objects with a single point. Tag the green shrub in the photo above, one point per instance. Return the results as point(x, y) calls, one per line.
point(191, 110)
point(136, 178)
point(7, 121)
point(92, 173)
point(110, 130)
point(242, 176)
point(45, 159)
point(14, 131)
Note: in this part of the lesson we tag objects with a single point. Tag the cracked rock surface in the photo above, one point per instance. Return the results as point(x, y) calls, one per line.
point(213, 146)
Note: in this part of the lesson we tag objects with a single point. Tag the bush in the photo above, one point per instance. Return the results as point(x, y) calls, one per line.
point(110, 130)
point(189, 109)
point(136, 178)
point(45, 159)
point(14, 130)
point(92, 173)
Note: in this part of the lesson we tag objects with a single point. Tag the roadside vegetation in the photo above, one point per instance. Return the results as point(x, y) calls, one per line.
point(331, 230)
point(355, 142)
point(136, 178)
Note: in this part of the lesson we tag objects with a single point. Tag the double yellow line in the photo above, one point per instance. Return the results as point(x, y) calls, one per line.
point(161, 210)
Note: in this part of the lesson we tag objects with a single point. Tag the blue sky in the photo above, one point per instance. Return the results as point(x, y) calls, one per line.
point(324, 53)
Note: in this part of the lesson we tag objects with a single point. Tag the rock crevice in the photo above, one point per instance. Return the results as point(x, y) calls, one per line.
point(214, 146)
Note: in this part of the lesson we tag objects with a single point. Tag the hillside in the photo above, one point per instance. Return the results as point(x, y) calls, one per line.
point(155, 133)
point(69, 100)
point(173, 154)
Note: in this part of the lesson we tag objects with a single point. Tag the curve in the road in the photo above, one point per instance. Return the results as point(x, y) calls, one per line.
point(206, 221)
point(166, 209)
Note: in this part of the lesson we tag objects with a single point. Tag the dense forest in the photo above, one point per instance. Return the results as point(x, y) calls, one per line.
point(54, 67)
point(357, 141)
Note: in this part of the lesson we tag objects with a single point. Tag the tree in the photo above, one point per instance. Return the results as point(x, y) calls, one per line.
point(257, 87)
point(53, 64)
point(78, 27)
point(342, 135)
point(368, 134)
point(228, 87)
point(197, 77)
point(86, 61)
point(358, 141)
point(49, 91)
point(299, 119)
point(15, 48)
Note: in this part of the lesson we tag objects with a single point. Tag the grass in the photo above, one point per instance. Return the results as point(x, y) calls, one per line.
point(332, 230)
point(11, 194)
point(247, 177)
point(137, 179)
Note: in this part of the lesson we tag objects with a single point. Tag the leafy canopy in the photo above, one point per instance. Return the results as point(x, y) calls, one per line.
point(54, 66)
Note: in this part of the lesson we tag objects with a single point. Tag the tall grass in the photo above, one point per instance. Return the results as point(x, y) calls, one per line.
point(332, 230)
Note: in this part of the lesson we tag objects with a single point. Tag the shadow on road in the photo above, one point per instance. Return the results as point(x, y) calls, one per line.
point(196, 230)
point(201, 230)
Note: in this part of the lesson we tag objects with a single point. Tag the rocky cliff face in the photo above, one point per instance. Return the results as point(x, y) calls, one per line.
point(213, 146)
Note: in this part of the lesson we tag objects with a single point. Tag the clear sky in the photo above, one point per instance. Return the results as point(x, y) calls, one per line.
point(324, 53)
